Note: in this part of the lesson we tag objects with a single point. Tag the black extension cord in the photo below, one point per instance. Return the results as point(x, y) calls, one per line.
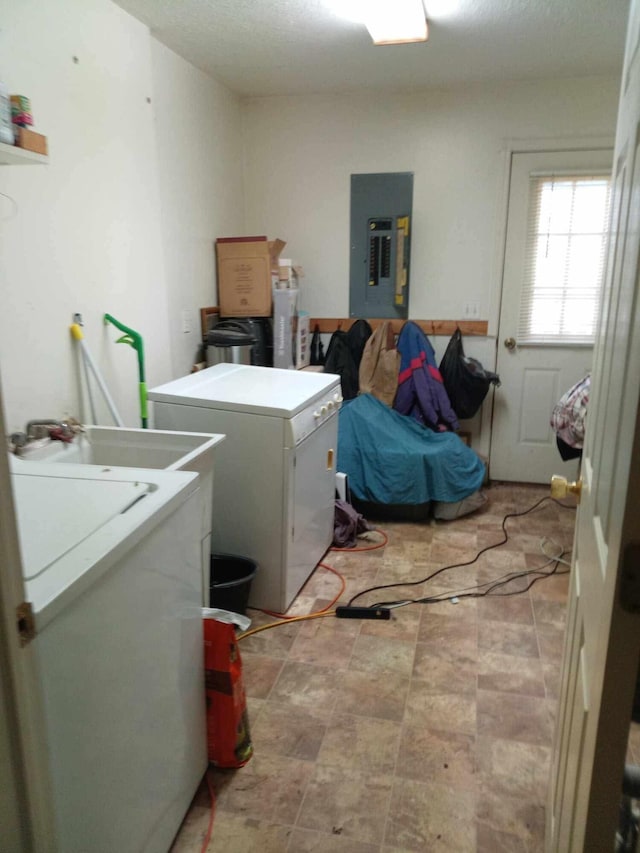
point(463, 594)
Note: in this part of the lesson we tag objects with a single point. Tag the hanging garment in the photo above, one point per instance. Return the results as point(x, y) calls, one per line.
point(380, 365)
point(357, 337)
point(339, 360)
point(344, 354)
point(421, 392)
point(568, 417)
point(316, 355)
point(465, 379)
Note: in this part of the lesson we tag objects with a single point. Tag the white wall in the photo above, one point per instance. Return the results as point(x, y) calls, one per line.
point(300, 153)
point(86, 234)
point(199, 140)
point(145, 171)
point(125, 216)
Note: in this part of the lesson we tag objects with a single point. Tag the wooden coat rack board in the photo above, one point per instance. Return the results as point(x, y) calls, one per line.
point(429, 327)
point(479, 328)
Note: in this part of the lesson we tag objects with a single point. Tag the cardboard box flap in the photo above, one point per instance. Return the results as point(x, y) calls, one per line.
point(275, 249)
point(241, 240)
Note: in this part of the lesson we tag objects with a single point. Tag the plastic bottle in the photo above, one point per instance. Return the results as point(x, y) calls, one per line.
point(6, 127)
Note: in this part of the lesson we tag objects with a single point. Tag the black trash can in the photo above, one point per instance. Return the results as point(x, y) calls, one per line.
point(230, 582)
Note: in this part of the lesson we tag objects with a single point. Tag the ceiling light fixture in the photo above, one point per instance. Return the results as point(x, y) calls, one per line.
point(395, 21)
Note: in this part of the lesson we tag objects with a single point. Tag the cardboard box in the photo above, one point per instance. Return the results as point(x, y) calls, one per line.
point(245, 275)
point(30, 141)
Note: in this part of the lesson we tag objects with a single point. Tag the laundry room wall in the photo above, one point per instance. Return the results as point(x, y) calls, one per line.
point(124, 217)
point(301, 152)
point(85, 232)
point(199, 142)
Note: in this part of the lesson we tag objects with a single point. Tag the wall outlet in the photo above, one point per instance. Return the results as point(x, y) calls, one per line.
point(187, 322)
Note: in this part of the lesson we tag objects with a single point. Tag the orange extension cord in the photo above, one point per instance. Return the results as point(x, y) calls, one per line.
point(326, 611)
point(212, 812)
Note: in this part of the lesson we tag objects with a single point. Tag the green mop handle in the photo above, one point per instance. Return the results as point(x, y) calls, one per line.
point(134, 339)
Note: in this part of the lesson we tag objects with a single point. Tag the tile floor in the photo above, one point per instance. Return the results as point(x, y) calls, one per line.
point(431, 732)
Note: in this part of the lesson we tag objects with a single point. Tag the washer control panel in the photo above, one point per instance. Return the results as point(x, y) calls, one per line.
point(311, 418)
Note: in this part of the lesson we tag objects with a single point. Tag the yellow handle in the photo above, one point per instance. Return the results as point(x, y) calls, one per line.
point(76, 331)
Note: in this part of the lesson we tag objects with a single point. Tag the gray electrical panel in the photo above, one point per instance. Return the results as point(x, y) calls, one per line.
point(380, 242)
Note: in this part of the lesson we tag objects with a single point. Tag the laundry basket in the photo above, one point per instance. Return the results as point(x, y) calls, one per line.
point(230, 582)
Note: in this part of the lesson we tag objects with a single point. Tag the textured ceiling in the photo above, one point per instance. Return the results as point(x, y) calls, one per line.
point(270, 47)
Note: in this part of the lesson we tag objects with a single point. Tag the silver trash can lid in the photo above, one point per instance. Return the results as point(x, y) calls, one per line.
point(230, 336)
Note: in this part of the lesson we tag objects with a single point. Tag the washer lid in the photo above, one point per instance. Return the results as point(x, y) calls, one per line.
point(248, 388)
point(54, 519)
point(75, 522)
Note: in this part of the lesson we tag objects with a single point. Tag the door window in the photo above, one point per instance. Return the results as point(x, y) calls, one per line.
point(565, 254)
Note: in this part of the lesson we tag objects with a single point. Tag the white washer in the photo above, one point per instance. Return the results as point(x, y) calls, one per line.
point(141, 448)
point(112, 568)
point(275, 473)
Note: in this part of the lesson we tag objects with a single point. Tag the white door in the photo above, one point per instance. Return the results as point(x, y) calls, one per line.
point(602, 643)
point(533, 376)
point(25, 814)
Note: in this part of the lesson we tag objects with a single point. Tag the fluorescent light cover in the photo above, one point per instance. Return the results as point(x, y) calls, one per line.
point(395, 21)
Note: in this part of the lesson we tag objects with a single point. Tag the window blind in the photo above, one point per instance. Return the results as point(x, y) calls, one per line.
point(564, 258)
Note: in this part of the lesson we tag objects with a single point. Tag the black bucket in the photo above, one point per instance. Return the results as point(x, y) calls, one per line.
point(230, 582)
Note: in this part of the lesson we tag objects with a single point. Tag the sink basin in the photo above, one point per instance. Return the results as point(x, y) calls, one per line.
point(131, 448)
point(120, 447)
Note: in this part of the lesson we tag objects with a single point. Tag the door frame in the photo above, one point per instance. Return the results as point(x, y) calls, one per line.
point(511, 146)
point(27, 774)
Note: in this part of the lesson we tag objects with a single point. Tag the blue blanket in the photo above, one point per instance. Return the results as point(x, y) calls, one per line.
point(391, 459)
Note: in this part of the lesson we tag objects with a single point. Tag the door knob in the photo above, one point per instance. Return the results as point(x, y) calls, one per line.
point(560, 488)
point(510, 343)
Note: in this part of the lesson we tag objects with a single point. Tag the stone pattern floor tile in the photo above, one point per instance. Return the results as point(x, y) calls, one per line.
point(428, 732)
point(346, 802)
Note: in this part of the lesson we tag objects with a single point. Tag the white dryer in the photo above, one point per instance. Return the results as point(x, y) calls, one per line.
point(112, 567)
point(275, 473)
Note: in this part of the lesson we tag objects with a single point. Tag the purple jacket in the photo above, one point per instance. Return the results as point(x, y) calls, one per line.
point(421, 392)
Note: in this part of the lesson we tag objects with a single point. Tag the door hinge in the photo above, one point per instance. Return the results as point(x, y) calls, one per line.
point(25, 622)
point(630, 578)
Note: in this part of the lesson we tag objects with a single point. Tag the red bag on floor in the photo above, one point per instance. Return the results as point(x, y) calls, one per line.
point(228, 736)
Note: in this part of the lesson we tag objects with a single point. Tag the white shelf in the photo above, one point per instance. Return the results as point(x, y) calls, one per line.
point(10, 155)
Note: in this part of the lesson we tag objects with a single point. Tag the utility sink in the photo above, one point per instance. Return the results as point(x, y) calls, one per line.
point(120, 447)
point(131, 448)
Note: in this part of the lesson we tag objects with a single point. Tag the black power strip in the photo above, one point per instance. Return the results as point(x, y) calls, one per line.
point(344, 611)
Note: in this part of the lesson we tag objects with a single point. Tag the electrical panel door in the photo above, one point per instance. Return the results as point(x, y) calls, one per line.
point(380, 243)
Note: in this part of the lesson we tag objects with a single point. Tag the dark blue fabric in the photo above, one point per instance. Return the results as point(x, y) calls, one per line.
point(391, 459)
point(421, 393)
point(413, 343)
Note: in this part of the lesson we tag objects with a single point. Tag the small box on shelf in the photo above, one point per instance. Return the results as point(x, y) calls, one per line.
point(29, 140)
